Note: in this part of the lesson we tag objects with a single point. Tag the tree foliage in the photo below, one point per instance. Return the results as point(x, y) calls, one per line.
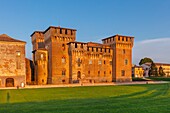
point(153, 70)
point(145, 60)
point(161, 71)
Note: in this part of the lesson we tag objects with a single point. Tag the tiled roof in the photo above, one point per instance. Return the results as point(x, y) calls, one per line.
point(7, 38)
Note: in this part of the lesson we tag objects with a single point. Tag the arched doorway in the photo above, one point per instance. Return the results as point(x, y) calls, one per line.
point(9, 82)
point(78, 75)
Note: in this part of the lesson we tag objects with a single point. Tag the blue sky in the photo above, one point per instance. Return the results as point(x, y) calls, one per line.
point(146, 20)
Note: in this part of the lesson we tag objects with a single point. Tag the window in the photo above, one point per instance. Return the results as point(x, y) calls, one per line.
point(75, 45)
point(119, 38)
point(122, 38)
point(18, 53)
point(89, 72)
point(96, 49)
point(87, 48)
point(90, 61)
point(63, 47)
point(123, 72)
point(126, 61)
point(78, 62)
point(92, 48)
point(101, 50)
point(110, 72)
point(109, 50)
point(81, 46)
point(18, 60)
point(110, 62)
point(99, 62)
point(104, 50)
point(124, 51)
point(98, 73)
point(41, 56)
point(104, 62)
point(71, 32)
point(63, 60)
point(126, 39)
point(63, 72)
point(66, 31)
point(104, 73)
point(60, 31)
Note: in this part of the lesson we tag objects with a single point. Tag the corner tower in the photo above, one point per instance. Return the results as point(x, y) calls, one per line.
point(122, 56)
point(56, 39)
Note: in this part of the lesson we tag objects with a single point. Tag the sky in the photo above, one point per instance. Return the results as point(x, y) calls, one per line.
point(147, 20)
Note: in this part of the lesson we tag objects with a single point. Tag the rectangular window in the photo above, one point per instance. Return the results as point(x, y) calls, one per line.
point(110, 62)
point(18, 60)
point(96, 49)
point(75, 45)
point(104, 62)
point(90, 61)
point(63, 60)
point(63, 73)
point(81, 46)
point(99, 62)
point(126, 61)
point(124, 51)
point(123, 72)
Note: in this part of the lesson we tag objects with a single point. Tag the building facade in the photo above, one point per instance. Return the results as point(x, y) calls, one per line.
point(137, 71)
point(61, 59)
point(12, 62)
point(166, 68)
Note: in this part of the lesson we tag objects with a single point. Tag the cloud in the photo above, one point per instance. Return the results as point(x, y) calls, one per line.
point(156, 49)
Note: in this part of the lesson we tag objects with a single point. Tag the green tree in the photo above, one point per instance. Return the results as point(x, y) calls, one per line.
point(145, 60)
point(161, 71)
point(153, 70)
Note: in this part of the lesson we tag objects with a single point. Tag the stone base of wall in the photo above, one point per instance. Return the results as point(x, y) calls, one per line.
point(17, 81)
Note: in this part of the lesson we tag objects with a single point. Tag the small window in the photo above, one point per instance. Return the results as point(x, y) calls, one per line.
point(122, 38)
point(81, 46)
point(98, 73)
point(71, 32)
point(89, 72)
point(96, 49)
point(87, 48)
point(90, 61)
point(63, 72)
point(119, 38)
point(60, 31)
point(124, 51)
point(18, 53)
point(109, 50)
point(101, 50)
point(63, 60)
point(126, 61)
point(104, 73)
point(92, 48)
point(110, 62)
point(104, 50)
point(104, 62)
point(63, 47)
point(110, 72)
point(75, 45)
point(66, 31)
point(126, 39)
point(123, 72)
point(79, 62)
point(99, 62)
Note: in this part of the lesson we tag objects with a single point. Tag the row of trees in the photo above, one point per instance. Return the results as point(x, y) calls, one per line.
point(153, 71)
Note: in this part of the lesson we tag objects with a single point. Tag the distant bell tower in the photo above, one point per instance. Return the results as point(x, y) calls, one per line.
point(122, 57)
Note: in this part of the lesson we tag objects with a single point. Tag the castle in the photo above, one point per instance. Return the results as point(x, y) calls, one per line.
point(58, 58)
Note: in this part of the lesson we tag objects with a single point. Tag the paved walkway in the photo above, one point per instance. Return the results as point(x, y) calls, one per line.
point(87, 84)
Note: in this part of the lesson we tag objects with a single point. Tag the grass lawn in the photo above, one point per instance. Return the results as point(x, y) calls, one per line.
point(148, 98)
point(160, 78)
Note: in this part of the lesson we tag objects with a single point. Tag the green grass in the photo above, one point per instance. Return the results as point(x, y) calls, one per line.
point(146, 98)
point(160, 78)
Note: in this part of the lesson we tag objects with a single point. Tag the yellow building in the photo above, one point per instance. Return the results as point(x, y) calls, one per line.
point(137, 71)
point(166, 68)
point(69, 61)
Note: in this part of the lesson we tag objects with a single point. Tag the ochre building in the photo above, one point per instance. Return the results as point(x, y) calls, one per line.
point(12, 62)
point(58, 58)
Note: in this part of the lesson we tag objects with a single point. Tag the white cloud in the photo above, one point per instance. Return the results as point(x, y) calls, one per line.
point(156, 49)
